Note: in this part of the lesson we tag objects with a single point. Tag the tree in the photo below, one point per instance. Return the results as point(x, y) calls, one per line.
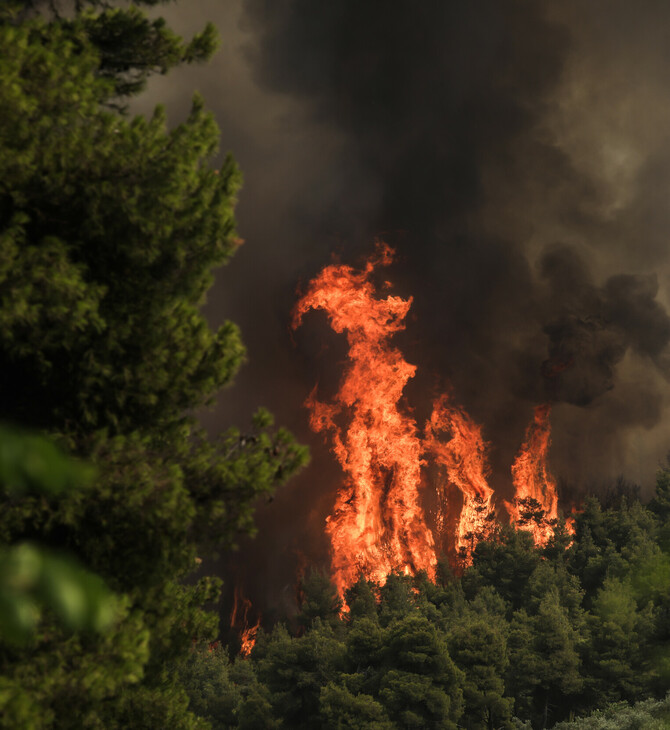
point(612, 542)
point(478, 647)
point(419, 683)
point(361, 600)
point(320, 600)
point(522, 676)
point(109, 230)
point(650, 715)
point(295, 670)
point(345, 711)
point(131, 47)
point(558, 661)
point(660, 506)
point(206, 676)
point(397, 599)
point(506, 564)
point(33, 577)
point(544, 661)
point(619, 658)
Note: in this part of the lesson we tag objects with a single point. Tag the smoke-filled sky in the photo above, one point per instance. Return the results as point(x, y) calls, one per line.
point(515, 153)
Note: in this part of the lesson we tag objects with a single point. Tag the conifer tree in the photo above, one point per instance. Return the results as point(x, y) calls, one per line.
point(109, 229)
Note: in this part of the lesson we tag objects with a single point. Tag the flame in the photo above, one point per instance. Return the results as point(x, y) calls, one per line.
point(464, 456)
point(378, 524)
point(248, 633)
point(248, 638)
point(535, 506)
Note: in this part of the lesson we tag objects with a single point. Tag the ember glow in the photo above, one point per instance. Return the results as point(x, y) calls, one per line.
point(378, 524)
point(239, 619)
point(535, 503)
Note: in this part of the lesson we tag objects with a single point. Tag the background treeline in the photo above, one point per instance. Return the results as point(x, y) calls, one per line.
point(523, 635)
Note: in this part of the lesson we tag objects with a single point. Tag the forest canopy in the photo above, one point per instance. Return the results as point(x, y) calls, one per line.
point(524, 637)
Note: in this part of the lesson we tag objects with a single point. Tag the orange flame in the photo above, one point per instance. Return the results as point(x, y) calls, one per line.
point(248, 638)
point(464, 457)
point(535, 506)
point(247, 633)
point(378, 523)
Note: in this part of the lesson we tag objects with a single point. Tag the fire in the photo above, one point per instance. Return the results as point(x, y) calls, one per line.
point(464, 456)
point(535, 506)
point(239, 617)
point(378, 523)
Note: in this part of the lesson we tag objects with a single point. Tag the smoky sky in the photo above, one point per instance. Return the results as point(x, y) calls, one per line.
point(516, 154)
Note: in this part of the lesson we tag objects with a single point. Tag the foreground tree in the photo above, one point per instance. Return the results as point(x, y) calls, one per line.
point(109, 230)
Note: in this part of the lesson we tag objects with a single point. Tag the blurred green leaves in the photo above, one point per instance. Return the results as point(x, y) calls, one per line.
point(34, 577)
point(31, 464)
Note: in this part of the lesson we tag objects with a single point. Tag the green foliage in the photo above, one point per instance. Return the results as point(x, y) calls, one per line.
point(31, 464)
point(420, 684)
point(506, 564)
point(320, 600)
point(110, 228)
point(295, 670)
point(130, 47)
point(478, 645)
point(343, 710)
point(618, 649)
point(31, 576)
point(647, 715)
point(524, 638)
point(205, 675)
point(109, 231)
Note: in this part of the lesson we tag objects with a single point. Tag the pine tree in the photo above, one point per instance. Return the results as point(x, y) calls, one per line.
point(419, 684)
point(295, 670)
point(478, 646)
point(109, 230)
point(319, 600)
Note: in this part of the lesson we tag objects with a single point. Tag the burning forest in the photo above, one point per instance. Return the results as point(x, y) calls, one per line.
point(420, 573)
point(379, 523)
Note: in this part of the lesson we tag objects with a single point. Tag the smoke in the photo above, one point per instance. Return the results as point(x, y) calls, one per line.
point(517, 155)
point(597, 326)
point(463, 117)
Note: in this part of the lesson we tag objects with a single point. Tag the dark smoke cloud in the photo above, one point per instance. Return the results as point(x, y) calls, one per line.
point(472, 136)
point(597, 326)
point(449, 107)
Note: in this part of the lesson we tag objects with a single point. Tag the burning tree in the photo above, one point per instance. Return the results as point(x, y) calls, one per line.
point(456, 443)
point(535, 506)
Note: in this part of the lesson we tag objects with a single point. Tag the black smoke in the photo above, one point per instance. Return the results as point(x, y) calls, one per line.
point(596, 326)
point(516, 155)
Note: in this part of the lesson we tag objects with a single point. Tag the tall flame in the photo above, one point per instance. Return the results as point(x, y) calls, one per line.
point(535, 506)
point(378, 524)
point(456, 442)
